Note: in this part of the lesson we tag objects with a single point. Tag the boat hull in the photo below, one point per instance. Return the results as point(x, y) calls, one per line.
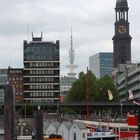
point(102, 138)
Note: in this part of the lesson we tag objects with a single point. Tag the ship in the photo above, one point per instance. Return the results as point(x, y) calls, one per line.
point(119, 130)
point(101, 136)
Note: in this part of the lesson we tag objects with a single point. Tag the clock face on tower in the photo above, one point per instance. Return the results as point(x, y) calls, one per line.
point(122, 29)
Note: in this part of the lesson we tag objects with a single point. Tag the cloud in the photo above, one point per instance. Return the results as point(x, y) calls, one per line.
point(92, 22)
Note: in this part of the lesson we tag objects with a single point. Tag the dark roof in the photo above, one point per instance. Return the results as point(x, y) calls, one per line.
point(121, 4)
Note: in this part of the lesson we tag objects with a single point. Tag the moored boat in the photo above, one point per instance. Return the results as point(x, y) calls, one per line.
point(122, 130)
point(101, 136)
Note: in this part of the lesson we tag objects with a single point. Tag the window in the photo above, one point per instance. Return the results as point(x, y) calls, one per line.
point(17, 86)
point(52, 64)
point(31, 94)
point(49, 86)
point(52, 72)
point(49, 72)
point(83, 135)
point(74, 136)
point(17, 100)
point(52, 94)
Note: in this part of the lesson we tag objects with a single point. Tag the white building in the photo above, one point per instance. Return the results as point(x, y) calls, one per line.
point(69, 131)
point(78, 131)
point(51, 128)
point(64, 130)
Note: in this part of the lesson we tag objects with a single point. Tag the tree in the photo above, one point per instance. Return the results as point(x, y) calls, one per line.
point(105, 84)
point(97, 88)
point(78, 90)
point(67, 110)
point(27, 109)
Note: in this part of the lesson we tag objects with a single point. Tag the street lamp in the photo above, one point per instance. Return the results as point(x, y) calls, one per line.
point(121, 110)
point(126, 83)
point(25, 107)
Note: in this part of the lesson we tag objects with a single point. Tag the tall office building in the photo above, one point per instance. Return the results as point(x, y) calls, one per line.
point(121, 39)
point(101, 64)
point(13, 76)
point(3, 81)
point(41, 71)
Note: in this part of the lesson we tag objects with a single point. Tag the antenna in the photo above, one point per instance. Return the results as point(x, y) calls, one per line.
point(71, 66)
point(32, 36)
point(41, 35)
point(71, 52)
point(27, 32)
point(71, 40)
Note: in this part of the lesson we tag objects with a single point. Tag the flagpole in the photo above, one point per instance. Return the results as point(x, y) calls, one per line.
point(138, 124)
point(87, 107)
point(126, 83)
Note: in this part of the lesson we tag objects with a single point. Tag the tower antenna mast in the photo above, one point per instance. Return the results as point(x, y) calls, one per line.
point(71, 66)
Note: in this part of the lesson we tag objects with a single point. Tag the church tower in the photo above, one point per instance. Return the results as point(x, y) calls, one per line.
point(121, 39)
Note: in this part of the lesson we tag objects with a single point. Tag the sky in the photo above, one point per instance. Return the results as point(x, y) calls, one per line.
point(92, 22)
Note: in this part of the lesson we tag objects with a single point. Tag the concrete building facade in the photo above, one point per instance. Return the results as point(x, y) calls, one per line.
point(41, 71)
point(128, 81)
point(3, 80)
point(15, 78)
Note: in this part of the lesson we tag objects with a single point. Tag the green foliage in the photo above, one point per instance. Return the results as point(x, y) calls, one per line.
point(105, 84)
point(77, 91)
point(97, 88)
point(27, 109)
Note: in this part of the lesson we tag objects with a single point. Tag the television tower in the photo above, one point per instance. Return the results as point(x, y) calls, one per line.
point(71, 66)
